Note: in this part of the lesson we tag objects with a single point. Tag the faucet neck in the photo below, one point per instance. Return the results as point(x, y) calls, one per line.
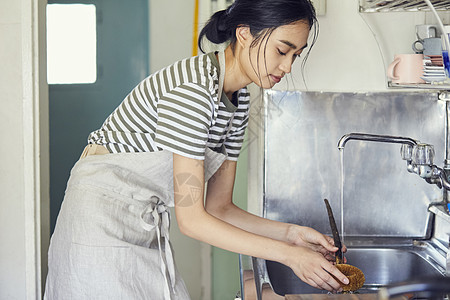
point(375, 138)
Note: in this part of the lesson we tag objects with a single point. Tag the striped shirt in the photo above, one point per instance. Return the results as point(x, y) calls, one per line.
point(177, 109)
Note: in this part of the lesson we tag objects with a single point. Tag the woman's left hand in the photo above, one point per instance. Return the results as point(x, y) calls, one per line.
point(314, 240)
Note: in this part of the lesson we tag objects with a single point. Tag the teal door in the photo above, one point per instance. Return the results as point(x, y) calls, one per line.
point(77, 109)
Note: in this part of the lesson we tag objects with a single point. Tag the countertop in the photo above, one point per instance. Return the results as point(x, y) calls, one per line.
point(337, 297)
point(330, 297)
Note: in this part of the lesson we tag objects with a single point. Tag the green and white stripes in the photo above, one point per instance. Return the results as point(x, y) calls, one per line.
point(177, 109)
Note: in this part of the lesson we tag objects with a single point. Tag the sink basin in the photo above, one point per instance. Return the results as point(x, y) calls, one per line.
point(381, 267)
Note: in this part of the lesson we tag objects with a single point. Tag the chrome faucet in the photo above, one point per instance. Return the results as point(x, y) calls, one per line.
point(419, 157)
point(375, 138)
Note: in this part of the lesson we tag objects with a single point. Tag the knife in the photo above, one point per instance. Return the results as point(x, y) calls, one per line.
point(335, 232)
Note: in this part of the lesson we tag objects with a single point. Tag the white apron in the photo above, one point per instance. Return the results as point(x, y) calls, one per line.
point(111, 239)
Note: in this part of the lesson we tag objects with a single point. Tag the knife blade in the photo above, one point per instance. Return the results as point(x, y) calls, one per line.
point(335, 232)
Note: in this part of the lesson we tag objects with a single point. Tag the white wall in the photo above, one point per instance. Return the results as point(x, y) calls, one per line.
point(171, 27)
point(12, 223)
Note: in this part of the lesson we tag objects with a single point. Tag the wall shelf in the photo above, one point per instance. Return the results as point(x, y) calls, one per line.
point(370, 6)
point(421, 86)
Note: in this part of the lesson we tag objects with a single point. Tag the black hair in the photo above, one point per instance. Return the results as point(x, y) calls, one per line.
point(258, 15)
point(261, 16)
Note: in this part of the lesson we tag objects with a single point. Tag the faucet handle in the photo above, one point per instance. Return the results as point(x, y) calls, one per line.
point(423, 154)
point(406, 152)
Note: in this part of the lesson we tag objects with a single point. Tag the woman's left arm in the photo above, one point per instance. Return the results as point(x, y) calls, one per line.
point(219, 203)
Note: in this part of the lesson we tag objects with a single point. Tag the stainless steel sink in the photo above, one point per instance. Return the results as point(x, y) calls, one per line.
point(381, 267)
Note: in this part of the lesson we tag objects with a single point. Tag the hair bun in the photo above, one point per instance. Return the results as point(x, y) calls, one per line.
point(217, 30)
point(222, 21)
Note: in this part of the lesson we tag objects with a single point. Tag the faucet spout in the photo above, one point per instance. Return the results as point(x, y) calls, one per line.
point(375, 138)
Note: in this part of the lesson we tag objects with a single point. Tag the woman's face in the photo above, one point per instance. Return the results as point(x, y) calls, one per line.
point(273, 56)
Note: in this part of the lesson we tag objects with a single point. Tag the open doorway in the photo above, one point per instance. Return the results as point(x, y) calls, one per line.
point(97, 52)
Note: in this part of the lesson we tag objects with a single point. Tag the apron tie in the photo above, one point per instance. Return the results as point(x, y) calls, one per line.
point(159, 220)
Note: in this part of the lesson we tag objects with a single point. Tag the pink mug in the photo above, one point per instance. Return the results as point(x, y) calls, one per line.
point(406, 68)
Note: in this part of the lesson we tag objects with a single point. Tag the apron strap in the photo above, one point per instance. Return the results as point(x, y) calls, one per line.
point(161, 221)
point(221, 58)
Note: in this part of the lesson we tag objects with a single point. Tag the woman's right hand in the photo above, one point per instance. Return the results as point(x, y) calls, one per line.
point(314, 269)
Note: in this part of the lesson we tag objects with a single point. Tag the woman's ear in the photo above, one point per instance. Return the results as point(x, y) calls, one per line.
point(243, 36)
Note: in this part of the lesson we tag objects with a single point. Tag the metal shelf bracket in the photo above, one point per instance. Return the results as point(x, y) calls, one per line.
point(371, 6)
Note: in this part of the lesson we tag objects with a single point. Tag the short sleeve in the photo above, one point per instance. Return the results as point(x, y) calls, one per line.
point(235, 138)
point(184, 118)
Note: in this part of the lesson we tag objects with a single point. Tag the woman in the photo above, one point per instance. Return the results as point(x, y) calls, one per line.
point(179, 128)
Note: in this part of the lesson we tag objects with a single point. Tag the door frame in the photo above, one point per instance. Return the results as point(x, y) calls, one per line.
point(35, 145)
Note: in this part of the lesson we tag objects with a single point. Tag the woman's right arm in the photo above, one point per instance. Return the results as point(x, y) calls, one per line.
point(194, 221)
